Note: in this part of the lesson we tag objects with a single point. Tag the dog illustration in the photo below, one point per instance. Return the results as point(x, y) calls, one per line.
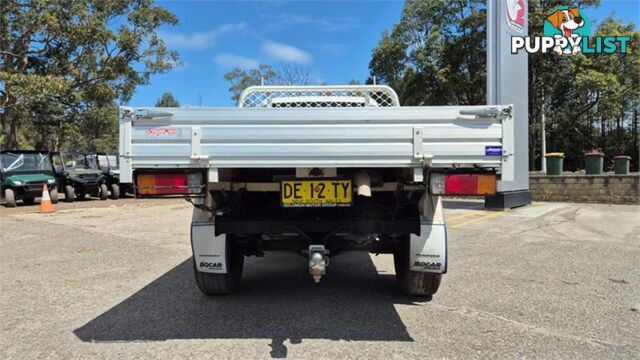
point(566, 21)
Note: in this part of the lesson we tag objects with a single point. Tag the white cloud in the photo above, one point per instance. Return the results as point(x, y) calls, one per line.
point(286, 53)
point(332, 23)
point(200, 40)
point(235, 61)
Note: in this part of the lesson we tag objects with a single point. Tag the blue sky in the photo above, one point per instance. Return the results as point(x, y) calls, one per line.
point(333, 39)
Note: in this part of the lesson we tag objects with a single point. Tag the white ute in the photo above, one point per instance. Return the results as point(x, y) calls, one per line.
point(317, 170)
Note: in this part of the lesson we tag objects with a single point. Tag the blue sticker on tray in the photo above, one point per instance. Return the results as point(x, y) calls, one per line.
point(493, 150)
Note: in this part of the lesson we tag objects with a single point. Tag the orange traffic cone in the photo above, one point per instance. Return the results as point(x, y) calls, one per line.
point(45, 204)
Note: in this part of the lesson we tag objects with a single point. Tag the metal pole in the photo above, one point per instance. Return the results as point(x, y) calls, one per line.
point(544, 138)
point(491, 53)
point(507, 84)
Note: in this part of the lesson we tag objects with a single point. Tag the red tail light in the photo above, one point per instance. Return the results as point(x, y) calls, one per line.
point(181, 183)
point(460, 184)
point(463, 184)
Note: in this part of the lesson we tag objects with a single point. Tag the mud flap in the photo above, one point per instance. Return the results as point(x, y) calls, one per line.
point(429, 249)
point(209, 250)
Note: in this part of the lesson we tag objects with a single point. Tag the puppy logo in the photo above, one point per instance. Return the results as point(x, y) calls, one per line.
point(567, 22)
point(566, 31)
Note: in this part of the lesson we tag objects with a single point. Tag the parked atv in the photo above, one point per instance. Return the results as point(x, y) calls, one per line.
point(78, 179)
point(23, 174)
point(108, 164)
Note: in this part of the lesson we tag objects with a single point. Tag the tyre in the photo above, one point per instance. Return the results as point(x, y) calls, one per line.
point(9, 198)
point(115, 191)
point(413, 282)
point(53, 194)
point(219, 284)
point(28, 200)
point(104, 192)
point(69, 193)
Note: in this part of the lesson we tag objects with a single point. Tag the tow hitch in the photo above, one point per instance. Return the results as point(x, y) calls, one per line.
point(318, 262)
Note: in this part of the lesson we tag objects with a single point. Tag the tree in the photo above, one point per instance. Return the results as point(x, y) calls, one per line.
point(288, 74)
point(241, 79)
point(592, 108)
point(544, 70)
point(435, 53)
point(292, 74)
point(62, 62)
point(167, 100)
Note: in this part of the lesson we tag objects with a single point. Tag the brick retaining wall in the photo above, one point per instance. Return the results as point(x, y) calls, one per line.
point(608, 189)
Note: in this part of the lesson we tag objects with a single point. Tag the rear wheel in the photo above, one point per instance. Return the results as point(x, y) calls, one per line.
point(53, 194)
point(104, 192)
point(413, 282)
point(218, 284)
point(115, 191)
point(69, 193)
point(9, 198)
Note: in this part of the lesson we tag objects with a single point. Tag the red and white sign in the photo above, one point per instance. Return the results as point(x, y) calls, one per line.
point(516, 14)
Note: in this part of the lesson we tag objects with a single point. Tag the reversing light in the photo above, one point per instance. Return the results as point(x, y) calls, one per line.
point(437, 183)
point(180, 183)
point(462, 184)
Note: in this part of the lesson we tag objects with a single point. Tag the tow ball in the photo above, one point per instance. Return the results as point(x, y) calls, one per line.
point(318, 262)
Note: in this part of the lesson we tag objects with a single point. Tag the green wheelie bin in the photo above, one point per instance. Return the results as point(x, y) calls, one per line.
point(555, 163)
point(621, 164)
point(594, 161)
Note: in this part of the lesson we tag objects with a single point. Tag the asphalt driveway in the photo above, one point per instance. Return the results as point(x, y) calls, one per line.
point(113, 280)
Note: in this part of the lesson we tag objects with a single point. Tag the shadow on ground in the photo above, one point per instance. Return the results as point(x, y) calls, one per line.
point(278, 301)
point(462, 204)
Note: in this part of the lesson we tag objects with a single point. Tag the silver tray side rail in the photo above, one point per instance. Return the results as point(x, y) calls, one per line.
point(410, 137)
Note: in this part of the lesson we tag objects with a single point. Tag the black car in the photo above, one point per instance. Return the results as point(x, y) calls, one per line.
point(23, 175)
point(77, 178)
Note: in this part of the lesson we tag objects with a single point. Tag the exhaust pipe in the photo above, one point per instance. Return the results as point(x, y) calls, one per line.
point(363, 183)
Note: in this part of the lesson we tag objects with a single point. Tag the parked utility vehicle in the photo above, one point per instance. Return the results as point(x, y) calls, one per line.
point(108, 164)
point(317, 171)
point(23, 174)
point(77, 178)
